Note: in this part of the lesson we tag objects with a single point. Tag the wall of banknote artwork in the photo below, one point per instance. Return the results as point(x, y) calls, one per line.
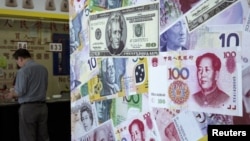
point(158, 70)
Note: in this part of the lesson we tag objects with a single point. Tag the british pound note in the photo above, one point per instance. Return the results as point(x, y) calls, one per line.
point(175, 79)
point(125, 31)
point(205, 11)
point(140, 127)
point(119, 77)
point(83, 117)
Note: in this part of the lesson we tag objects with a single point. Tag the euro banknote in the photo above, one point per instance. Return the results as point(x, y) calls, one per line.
point(135, 37)
point(119, 77)
point(178, 79)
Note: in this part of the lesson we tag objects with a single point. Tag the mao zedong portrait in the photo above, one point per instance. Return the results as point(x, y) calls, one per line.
point(115, 33)
point(208, 69)
point(136, 130)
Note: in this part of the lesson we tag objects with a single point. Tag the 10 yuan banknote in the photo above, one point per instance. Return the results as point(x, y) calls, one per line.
point(197, 80)
point(127, 31)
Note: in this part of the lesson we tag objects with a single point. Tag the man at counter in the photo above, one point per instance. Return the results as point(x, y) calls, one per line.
point(30, 89)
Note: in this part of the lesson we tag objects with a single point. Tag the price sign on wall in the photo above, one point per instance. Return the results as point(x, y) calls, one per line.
point(22, 45)
point(55, 47)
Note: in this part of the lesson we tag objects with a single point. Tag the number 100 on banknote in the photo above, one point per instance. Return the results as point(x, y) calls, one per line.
point(127, 31)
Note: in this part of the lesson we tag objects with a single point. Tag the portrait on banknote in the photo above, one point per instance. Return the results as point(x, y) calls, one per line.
point(141, 127)
point(112, 73)
point(138, 30)
point(175, 38)
point(76, 126)
point(208, 70)
point(116, 33)
point(75, 28)
point(181, 82)
point(83, 117)
point(171, 132)
point(136, 130)
point(118, 77)
point(104, 132)
point(103, 109)
point(87, 116)
point(163, 118)
point(125, 31)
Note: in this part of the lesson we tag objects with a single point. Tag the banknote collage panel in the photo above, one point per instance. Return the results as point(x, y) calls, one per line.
point(152, 70)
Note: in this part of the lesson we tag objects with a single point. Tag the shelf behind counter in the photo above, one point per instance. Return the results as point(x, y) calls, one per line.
point(58, 120)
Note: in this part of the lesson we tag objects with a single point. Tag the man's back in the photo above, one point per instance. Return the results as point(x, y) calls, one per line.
point(32, 82)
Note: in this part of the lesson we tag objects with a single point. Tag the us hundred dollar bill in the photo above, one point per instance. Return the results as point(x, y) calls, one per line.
point(127, 31)
point(205, 11)
point(181, 83)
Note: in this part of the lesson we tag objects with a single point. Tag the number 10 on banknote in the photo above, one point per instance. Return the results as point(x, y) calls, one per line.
point(197, 80)
point(125, 31)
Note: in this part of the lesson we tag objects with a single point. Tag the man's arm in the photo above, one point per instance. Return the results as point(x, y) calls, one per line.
point(12, 94)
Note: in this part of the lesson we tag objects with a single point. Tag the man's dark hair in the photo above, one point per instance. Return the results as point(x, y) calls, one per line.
point(21, 53)
point(88, 110)
point(215, 60)
point(139, 123)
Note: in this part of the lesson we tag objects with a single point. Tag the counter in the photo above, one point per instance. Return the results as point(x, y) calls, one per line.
point(58, 120)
